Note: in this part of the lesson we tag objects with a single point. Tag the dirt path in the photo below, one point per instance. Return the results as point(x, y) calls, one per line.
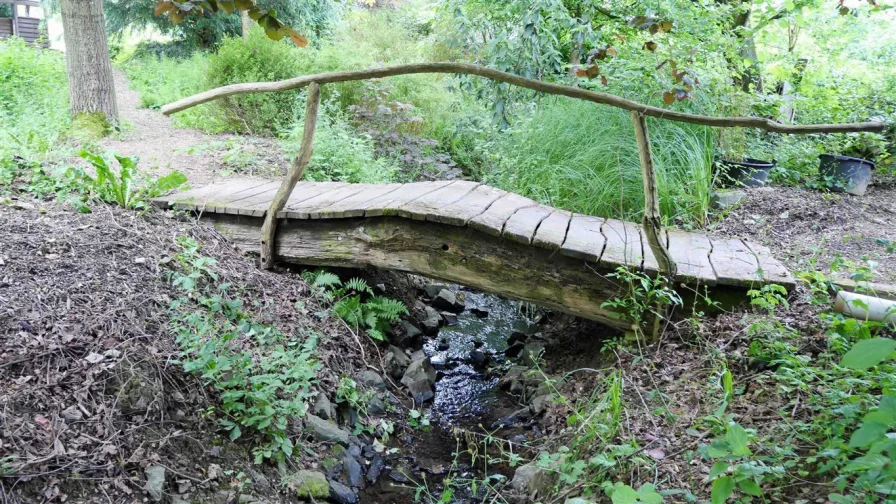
point(163, 147)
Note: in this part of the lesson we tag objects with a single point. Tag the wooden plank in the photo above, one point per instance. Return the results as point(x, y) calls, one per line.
point(770, 268)
point(432, 205)
point(388, 204)
point(623, 245)
point(492, 220)
point(304, 191)
point(470, 206)
point(232, 202)
point(733, 263)
point(204, 197)
point(310, 208)
point(353, 206)
point(521, 226)
point(584, 239)
point(690, 251)
point(552, 231)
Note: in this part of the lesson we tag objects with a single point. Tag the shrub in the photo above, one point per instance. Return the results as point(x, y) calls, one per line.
point(257, 59)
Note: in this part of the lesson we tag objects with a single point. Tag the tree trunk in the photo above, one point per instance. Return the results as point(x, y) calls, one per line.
point(245, 23)
point(87, 59)
point(750, 79)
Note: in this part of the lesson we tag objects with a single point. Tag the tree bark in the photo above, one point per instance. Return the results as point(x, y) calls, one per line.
point(245, 23)
point(87, 59)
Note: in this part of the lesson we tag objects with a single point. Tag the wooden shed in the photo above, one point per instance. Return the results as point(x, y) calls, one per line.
point(24, 22)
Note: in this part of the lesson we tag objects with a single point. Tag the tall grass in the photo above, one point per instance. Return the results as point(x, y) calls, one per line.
point(584, 158)
point(34, 111)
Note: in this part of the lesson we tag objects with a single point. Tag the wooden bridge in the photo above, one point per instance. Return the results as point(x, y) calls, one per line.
point(476, 235)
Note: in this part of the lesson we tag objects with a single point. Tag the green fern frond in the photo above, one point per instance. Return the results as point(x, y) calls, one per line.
point(358, 285)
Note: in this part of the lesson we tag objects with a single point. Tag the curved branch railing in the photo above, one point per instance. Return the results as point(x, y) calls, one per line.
point(651, 220)
point(536, 85)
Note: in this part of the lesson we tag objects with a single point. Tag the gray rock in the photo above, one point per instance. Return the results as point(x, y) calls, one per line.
point(342, 494)
point(376, 467)
point(309, 484)
point(419, 379)
point(324, 430)
point(723, 199)
point(352, 470)
point(155, 482)
point(479, 312)
point(514, 350)
point(432, 321)
point(517, 336)
point(376, 406)
point(518, 416)
point(406, 334)
point(531, 353)
point(322, 406)
point(540, 403)
point(450, 319)
point(445, 300)
point(479, 359)
point(372, 380)
point(533, 480)
point(433, 290)
point(396, 362)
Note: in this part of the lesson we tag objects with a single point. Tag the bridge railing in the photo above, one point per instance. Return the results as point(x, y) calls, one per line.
point(651, 220)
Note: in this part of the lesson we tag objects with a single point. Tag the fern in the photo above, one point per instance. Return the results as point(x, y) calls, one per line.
point(357, 285)
point(375, 315)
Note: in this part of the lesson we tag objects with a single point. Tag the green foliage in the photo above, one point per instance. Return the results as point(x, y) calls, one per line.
point(620, 493)
point(122, 188)
point(735, 466)
point(263, 377)
point(869, 353)
point(34, 108)
point(355, 303)
point(584, 158)
point(645, 296)
point(769, 298)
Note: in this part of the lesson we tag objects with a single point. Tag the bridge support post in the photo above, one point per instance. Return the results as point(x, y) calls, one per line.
point(652, 220)
point(269, 228)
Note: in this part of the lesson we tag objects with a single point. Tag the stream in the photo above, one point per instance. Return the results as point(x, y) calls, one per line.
point(466, 397)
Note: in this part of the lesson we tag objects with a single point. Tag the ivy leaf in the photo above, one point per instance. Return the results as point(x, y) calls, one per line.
point(665, 26)
point(669, 97)
point(868, 353)
point(721, 489)
point(648, 494)
point(650, 45)
point(624, 494)
point(737, 440)
point(867, 434)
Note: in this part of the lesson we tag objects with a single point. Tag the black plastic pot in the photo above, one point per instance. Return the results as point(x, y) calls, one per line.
point(845, 174)
point(748, 173)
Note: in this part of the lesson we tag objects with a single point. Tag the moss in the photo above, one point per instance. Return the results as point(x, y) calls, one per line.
point(310, 485)
point(90, 126)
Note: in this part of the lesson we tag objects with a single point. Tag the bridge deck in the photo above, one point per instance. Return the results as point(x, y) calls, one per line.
point(608, 243)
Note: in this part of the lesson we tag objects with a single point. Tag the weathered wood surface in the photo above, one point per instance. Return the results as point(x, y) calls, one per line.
point(493, 214)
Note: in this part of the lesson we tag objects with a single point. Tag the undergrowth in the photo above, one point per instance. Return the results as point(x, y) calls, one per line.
point(355, 303)
point(263, 376)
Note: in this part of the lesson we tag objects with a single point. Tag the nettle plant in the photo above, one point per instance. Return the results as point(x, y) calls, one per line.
point(356, 304)
point(263, 377)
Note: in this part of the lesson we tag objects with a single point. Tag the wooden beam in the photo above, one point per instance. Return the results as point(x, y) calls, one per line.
point(544, 87)
point(652, 220)
point(444, 251)
point(15, 19)
point(312, 102)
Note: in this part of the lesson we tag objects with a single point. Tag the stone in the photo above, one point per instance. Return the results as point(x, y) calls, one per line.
point(516, 336)
point(155, 482)
point(433, 290)
point(479, 312)
point(325, 430)
point(539, 404)
point(400, 474)
point(445, 300)
point(309, 484)
point(419, 379)
point(514, 350)
point(443, 345)
point(479, 360)
point(518, 416)
point(342, 494)
point(432, 321)
point(533, 480)
point(372, 380)
point(513, 380)
point(352, 470)
point(377, 464)
point(396, 362)
point(406, 334)
point(450, 319)
point(376, 406)
point(578, 500)
point(723, 199)
point(322, 406)
point(531, 353)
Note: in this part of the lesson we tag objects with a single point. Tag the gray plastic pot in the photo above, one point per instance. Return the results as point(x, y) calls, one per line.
point(845, 174)
point(747, 173)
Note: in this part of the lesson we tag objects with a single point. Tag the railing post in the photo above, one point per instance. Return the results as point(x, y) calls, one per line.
point(652, 220)
point(298, 165)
